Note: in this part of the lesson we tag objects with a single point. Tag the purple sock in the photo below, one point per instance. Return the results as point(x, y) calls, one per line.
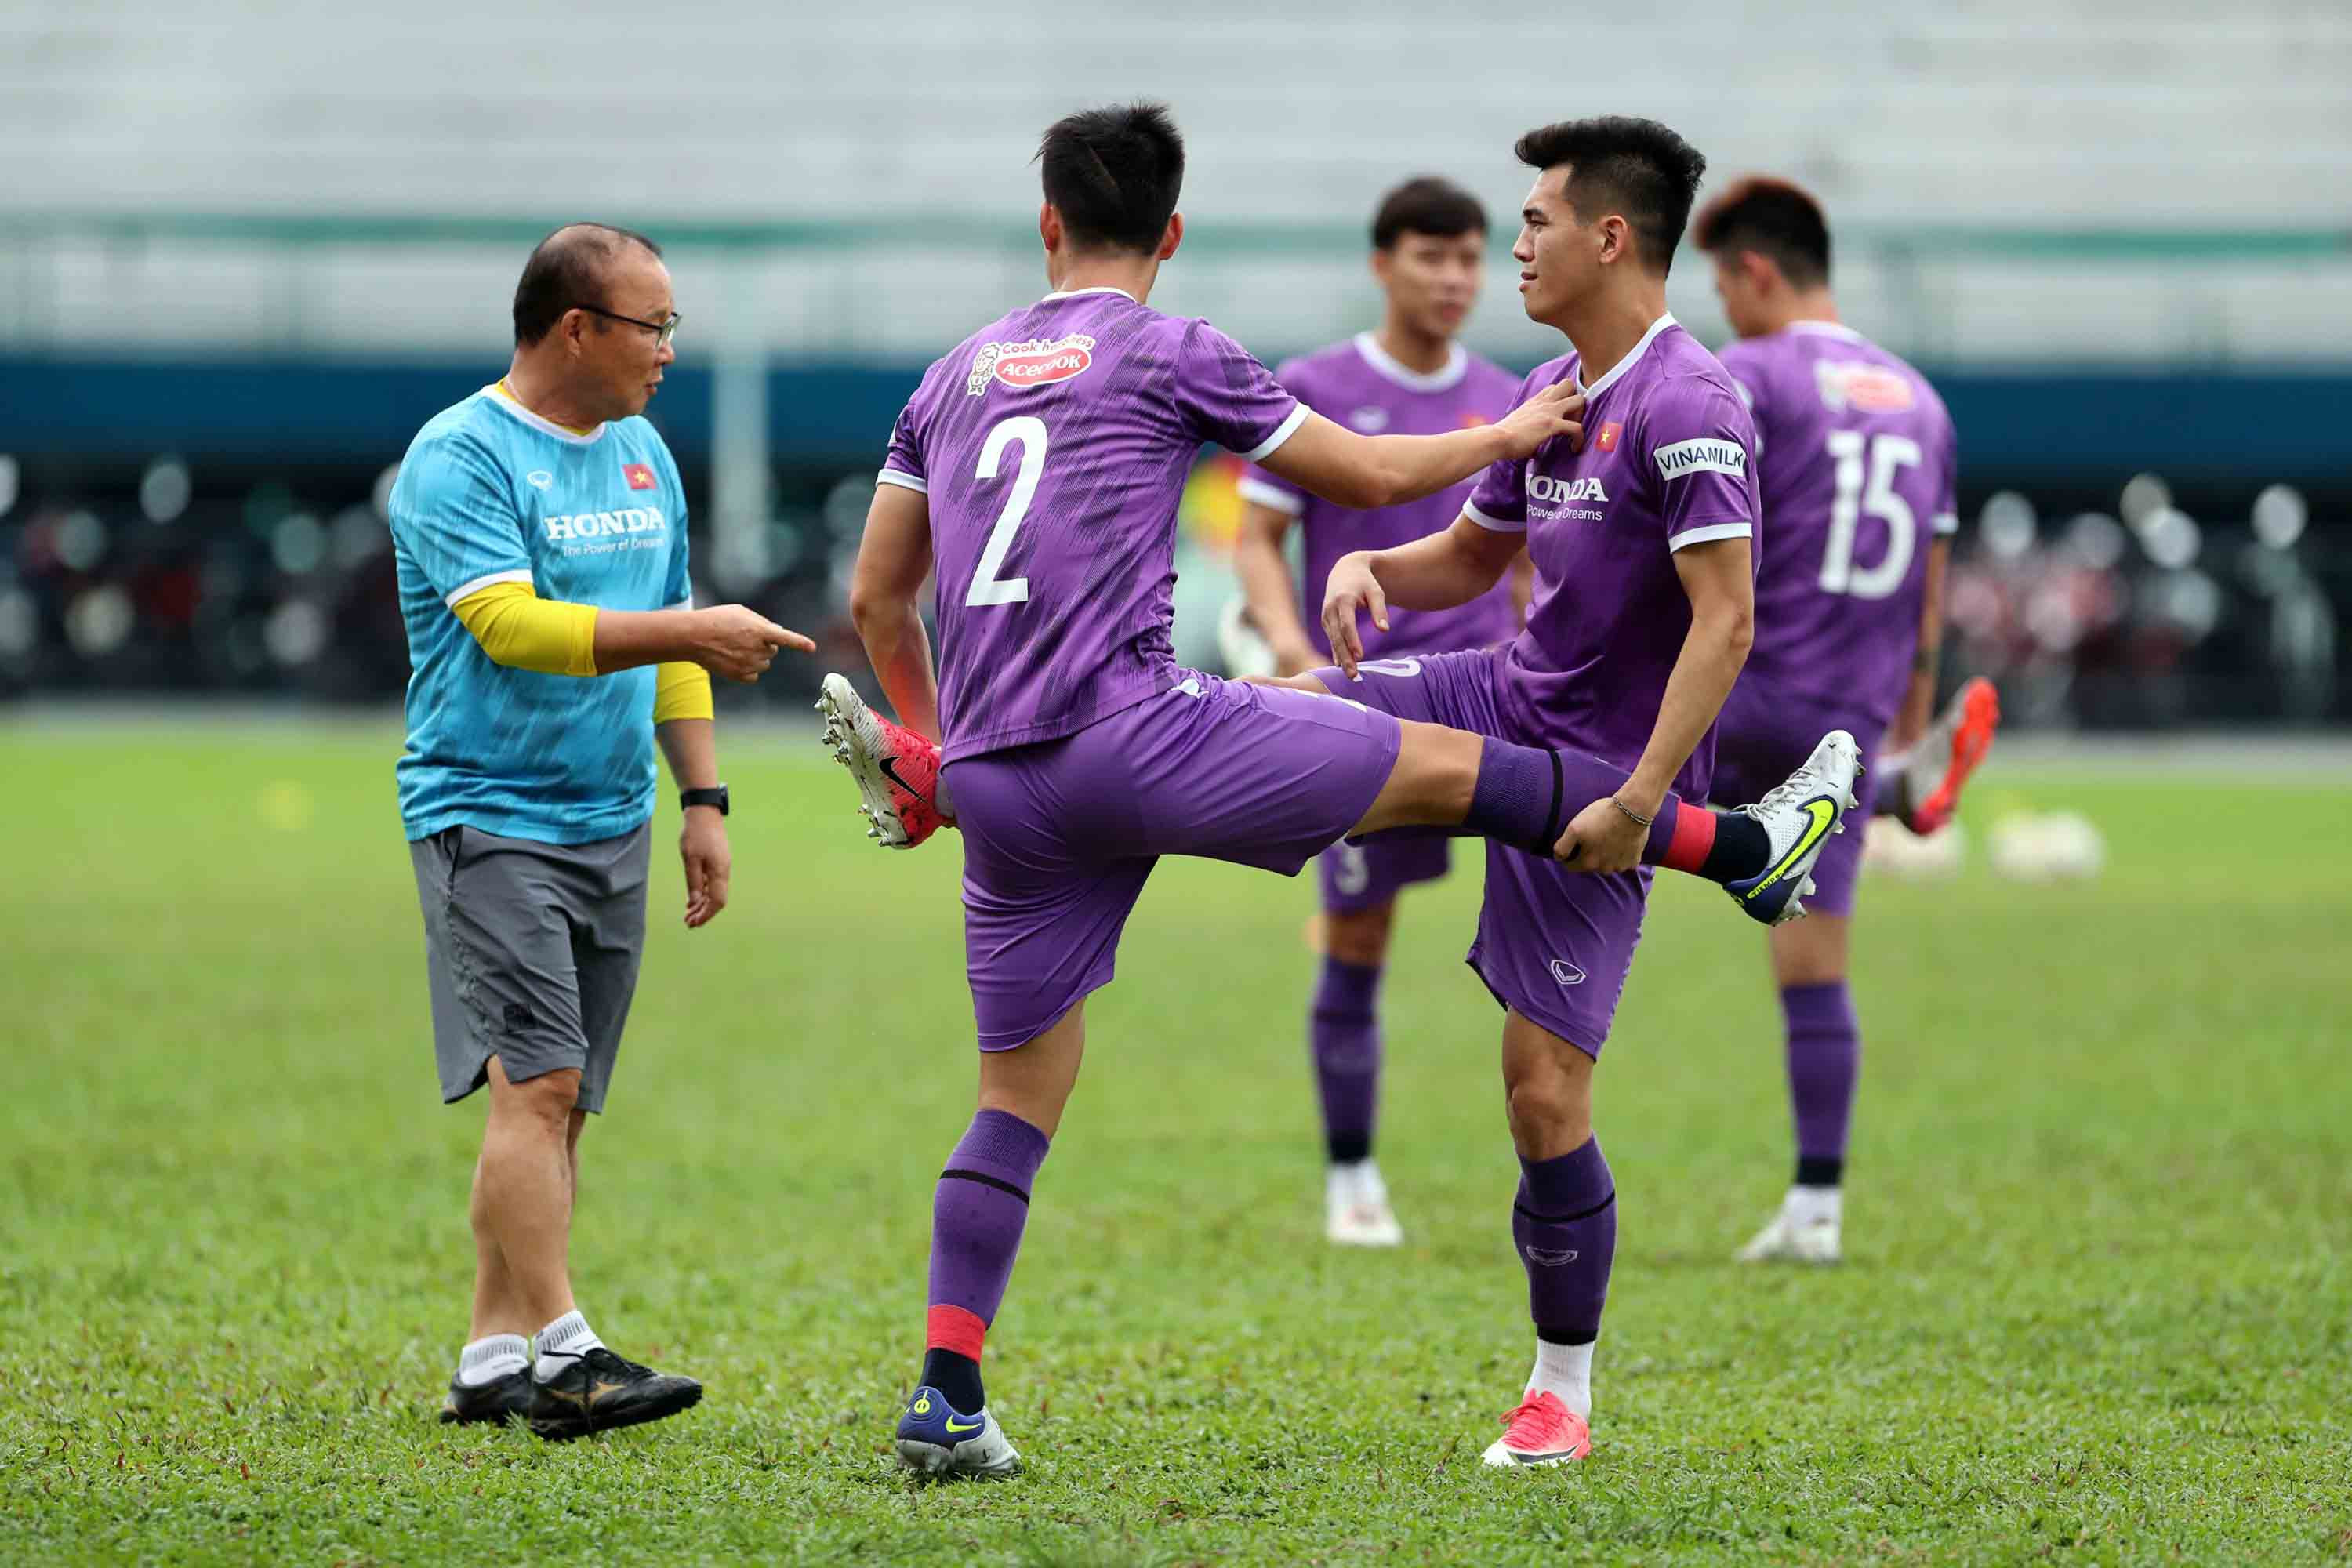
point(1565, 1224)
point(978, 1211)
point(1526, 796)
point(1824, 1059)
point(1344, 1030)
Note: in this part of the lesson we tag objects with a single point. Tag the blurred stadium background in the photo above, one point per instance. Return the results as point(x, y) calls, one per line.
point(249, 248)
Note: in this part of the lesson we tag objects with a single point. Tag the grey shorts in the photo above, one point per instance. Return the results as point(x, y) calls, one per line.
point(531, 950)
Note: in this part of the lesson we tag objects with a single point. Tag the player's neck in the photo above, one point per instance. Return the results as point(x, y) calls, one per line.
point(1612, 327)
point(1422, 353)
point(1132, 275)
point(537, 389)
point(1810, 305)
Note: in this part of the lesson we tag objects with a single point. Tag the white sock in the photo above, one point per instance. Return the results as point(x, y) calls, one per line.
point(561, 1343)
point(1566, 1373)
point(1815, 1205)
point(1356, 1182)
point(491, 1357)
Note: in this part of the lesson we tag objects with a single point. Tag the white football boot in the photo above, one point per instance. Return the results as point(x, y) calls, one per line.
point(1355, 1211)
point(1806, 1231)
point(937, 1440)
point(1799, 815)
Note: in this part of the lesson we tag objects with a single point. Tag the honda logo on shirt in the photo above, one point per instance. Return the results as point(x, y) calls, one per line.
point(640, 477)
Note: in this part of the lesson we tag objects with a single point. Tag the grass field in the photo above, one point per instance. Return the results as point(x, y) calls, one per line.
point(2099, 1305)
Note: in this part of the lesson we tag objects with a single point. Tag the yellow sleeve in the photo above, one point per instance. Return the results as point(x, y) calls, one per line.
point(517, 628)
point(681, 691)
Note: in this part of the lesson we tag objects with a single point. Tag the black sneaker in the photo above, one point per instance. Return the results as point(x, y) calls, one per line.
point(501, 1399)
point(600, 1392)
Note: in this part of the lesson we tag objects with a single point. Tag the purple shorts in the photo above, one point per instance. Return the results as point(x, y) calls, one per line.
point(1554, 945)
point(1761, 739)
point(1060, 837)
point(1371, 871)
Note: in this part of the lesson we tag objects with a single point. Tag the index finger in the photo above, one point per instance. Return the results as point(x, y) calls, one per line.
point(784, 636)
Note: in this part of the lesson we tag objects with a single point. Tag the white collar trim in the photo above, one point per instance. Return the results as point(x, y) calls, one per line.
point(1444, 378)
point(1617, 372)
point(1827, 330)
point(544, 427)
point(1099, 288)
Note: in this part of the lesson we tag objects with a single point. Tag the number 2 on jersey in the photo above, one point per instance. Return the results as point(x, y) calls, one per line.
point(987, 587)
point(1885, 455)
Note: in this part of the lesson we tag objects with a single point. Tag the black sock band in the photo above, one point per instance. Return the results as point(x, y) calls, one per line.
point(1818, 1171)
point(1348, 1148)
point(952, 1174)
point(1742, 848)
point(1554, 826)
point(1566, 1334)
point(956, 1376)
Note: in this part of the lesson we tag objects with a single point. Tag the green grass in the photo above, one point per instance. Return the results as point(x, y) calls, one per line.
point(2099, 1304)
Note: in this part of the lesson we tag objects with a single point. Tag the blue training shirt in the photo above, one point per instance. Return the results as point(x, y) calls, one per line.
point(489, 493)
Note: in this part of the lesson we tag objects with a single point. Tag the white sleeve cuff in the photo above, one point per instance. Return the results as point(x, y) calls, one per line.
point(1948, 522)
point(905, 480)
point(465, 591)
point(1281, 432)
point(1287, 502)
point(1491, 524)
point(685, 603)
point(1708, 532)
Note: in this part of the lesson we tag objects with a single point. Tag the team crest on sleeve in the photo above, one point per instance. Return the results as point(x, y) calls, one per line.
point(640, 476)
point(1707, 455)
point(1040, 362)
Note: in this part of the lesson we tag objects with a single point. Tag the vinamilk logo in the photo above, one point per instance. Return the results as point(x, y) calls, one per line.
point(1040, 362)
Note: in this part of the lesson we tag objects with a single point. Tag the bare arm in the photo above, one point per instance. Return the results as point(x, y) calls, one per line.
point(1273, 594)
point(1919, 701)
point(893, 560)
point(691, 748)
point(1382, 470)
point(1720, 582)
point(703, 849)
point(1435, 572)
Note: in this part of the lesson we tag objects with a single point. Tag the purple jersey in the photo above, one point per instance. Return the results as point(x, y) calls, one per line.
point(1857, 461)
point(1358, 384)
point(1054, 445)
point(1664, 465)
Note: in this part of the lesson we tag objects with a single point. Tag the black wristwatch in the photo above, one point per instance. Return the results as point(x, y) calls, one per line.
point(715, 795)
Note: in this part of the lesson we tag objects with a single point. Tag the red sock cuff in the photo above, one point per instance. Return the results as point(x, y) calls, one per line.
point(954, 1329)
point(1694, 838)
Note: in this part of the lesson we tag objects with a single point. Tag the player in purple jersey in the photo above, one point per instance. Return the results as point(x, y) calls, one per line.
point(1857, 464)
point(1033, 477)
point(1644, 541)
point(1429, 253)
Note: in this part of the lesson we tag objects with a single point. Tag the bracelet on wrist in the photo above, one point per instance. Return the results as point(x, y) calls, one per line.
point(1645, 821)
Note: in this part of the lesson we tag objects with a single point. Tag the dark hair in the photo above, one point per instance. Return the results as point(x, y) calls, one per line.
point(1636, 168)
point(568, 269)
point(1113, 175)
point(1771, 218)
point(1427, 204)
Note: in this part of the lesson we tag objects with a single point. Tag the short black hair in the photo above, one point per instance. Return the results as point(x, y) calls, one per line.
point(1771, 218)
point(1636, 168)
point(1113, 175)
point(568, 269)
point(1426, 205)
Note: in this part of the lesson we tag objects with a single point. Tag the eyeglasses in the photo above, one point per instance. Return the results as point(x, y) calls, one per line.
point(663, 329)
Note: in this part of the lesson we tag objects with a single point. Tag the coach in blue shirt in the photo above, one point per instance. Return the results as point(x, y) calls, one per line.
point(539, 532)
